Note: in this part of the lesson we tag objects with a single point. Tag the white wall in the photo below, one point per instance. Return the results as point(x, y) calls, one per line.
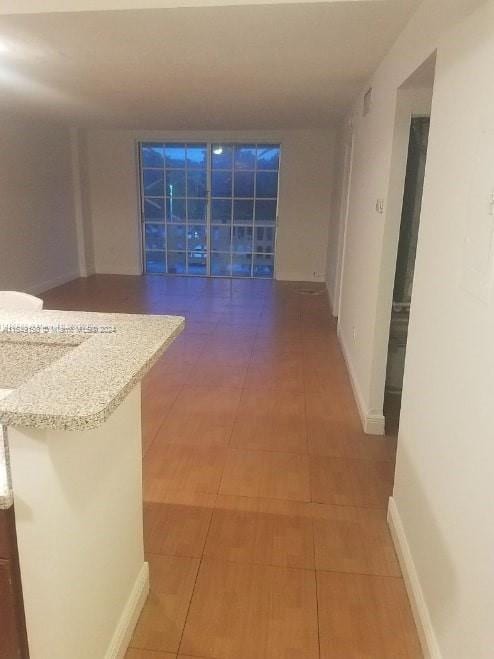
point(38, 247)
point(445, 472)
point(304, 206)
point(441, 512)
point(364, 314)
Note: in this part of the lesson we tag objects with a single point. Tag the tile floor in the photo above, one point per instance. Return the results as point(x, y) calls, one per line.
point(265, 505)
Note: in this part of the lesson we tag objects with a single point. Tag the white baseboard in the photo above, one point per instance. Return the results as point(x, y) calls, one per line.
point(102, 269)
point(372, 423)
point(420, 611)
point(298, 276)
point(35, 289)
point(86, 272)
point(334, 312)
point(130, 615)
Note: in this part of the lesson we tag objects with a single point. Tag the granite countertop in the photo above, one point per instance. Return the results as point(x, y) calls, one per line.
point(70, 369)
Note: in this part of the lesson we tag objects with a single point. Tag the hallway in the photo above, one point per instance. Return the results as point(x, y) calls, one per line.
point(265, 504)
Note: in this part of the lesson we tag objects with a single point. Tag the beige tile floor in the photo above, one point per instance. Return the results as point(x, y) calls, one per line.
point(265, 505)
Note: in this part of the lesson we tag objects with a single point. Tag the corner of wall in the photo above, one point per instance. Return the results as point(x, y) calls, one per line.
point(42, 287)
point(82, 204)
point(334, 312)
point(372, 422)
point(108, 269)
point(77, 199)
point(418, 604)
point(130, 615)
point(298, 276)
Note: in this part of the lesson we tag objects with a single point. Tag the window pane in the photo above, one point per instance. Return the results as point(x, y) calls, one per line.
point(263, 265)
point(154, 236)
point(268, 156)
point(222, 156)
point(242, 239)
point(220, 238)
point(244, 184)
point(154, 209)
point(241, 265)
point(155, 262)
point(264, 240)
point(267, 184)
point(197, 155)
point(221, 210)
point(153, 183)
point(176, 263)
point(221, 184)
point(197, 263)
point(196, 238)
point(196, 210)
point(196, 183)
point(175, 155)
point(245, 156)
point(197, 246)
point(152, 155)
point(175, 210)
point(243, 210)
point(266, 211)
point(220, 265)
point(175, 183)
point(176, 237)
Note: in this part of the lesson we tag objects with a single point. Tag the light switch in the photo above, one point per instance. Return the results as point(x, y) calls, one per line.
point(380, 206)
point(491, 203)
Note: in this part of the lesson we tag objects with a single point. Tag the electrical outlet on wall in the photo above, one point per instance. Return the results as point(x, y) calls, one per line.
point(380, 206)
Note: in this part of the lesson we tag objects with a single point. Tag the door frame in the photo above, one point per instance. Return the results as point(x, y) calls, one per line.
point(411, 101)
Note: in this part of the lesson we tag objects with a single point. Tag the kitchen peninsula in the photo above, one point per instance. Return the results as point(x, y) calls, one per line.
point(70, 464)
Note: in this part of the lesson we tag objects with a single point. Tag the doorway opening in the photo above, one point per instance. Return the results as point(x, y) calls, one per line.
point(401, 239)
point(405, 266)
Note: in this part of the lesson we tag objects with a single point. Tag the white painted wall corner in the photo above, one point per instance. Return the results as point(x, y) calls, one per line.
point(418, 604)
point(41, 287)
point(78, 206)
point(372, 423)
point(130, 615)
point(334, 312)
point(300, 277)
point(108, 269)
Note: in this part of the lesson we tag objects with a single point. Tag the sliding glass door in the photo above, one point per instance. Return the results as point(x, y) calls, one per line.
point(209, 209)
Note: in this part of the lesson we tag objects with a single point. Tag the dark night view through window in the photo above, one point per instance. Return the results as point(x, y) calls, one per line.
point(209, 209)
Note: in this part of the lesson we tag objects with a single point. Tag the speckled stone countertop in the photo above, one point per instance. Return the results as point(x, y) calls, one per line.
point(76, 366)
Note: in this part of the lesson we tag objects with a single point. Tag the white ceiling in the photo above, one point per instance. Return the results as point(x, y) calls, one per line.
point(230, 67)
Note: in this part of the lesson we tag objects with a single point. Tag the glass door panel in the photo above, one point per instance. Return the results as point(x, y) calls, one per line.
point(209, 209)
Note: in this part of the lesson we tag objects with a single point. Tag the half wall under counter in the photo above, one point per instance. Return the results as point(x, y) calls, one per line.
point(74, 442)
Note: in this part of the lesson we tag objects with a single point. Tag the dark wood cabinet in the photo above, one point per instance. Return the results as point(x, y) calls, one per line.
point(13, 637)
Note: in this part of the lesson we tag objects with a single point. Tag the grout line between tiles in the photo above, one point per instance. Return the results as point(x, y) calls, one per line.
point(236, 415)
point(274, 565)
point(195, 583)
